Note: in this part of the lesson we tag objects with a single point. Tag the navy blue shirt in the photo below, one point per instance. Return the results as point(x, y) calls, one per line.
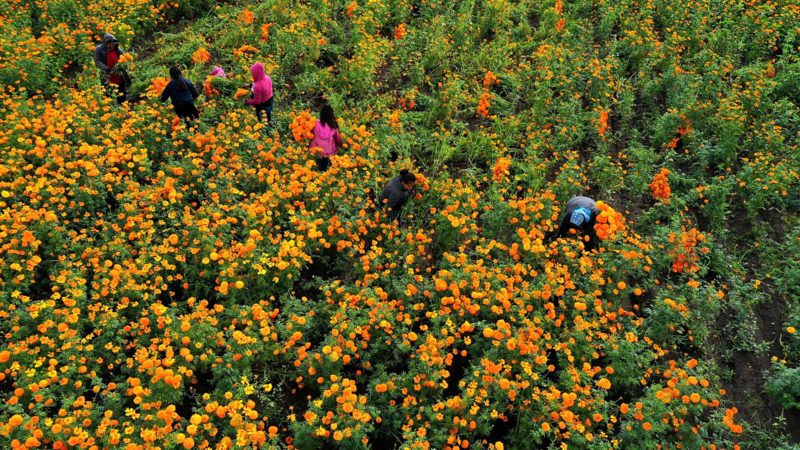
point(179, 97)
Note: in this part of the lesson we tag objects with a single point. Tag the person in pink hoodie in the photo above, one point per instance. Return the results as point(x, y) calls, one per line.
point(262, 91)
point(326, 137)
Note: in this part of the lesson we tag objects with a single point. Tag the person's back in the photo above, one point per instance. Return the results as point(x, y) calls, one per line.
point(326, 138)
point(579, 201)
point(177, 95)
point(182, 93)
point(580, 215)
point(261, 88)
point(397, 192)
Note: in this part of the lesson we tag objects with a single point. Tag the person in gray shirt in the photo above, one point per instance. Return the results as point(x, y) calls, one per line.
point(581, 216)
point(106, 56)
point(397, 192)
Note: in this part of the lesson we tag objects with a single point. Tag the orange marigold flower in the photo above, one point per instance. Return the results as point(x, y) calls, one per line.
point(157, 86)
point(500, 169)
point(603, 123)
point(241, 93)
point(484, 103)
point(303, 126)
point(265, 31)
point(247, 17)
point(350, 9)
point(201, 55)
point(660, 186)
point(243, 50)
point(609, 222)
point(400, 31)
point(15, 421)
point(489, 80)
point(208, 88)
point(604, 383)
point(125, 58)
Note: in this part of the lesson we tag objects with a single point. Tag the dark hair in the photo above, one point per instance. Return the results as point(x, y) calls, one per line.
point(407, 177)
point(175, 74)
point(327, 117)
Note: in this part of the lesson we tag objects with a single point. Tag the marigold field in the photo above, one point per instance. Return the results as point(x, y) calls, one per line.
point(174, 287)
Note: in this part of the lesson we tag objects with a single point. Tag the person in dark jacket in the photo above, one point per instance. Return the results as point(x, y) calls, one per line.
point(106, 56)
point(183, 93)
point(397, 192)
point(581, 216)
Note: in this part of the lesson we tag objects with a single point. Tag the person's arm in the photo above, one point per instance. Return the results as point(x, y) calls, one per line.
point(252, 100)
point(98, 60)
point(193, 90)
point(384, 199)
point(167, 91)
point(397, 198)
point(563, 229)
point(337, 139)
point(594, 240)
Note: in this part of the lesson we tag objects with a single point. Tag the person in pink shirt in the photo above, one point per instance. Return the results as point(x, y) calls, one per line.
point(326, 137)
point(218, 72)
point(262, 92)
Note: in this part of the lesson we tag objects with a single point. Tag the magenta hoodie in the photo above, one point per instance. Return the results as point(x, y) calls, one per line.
point(262, 85)
point(326, 138)
point(218, 72)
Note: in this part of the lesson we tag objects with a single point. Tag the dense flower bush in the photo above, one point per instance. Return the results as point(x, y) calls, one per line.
point(179, 286)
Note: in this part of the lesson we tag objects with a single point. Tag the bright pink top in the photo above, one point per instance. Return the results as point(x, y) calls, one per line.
point(262, 85)
point(326, 138)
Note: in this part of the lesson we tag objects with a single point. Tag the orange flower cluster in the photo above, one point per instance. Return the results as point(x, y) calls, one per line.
point(302, 126)
point(207, 288)
point(241, 93)
point(609, 222)
point(126, 58)
point(484, 103)
point(246, 17)
point(201, 56)
point(659, 187)
point(603, 123)
point(685, 252)
point(208, 88)
point(729, 422)
point(400, 31)
point(490, 79)
point(157, 86)
point(265, 28)
point(244, 50)
point(682, 131)
point(407, 103)
point(500, 169)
